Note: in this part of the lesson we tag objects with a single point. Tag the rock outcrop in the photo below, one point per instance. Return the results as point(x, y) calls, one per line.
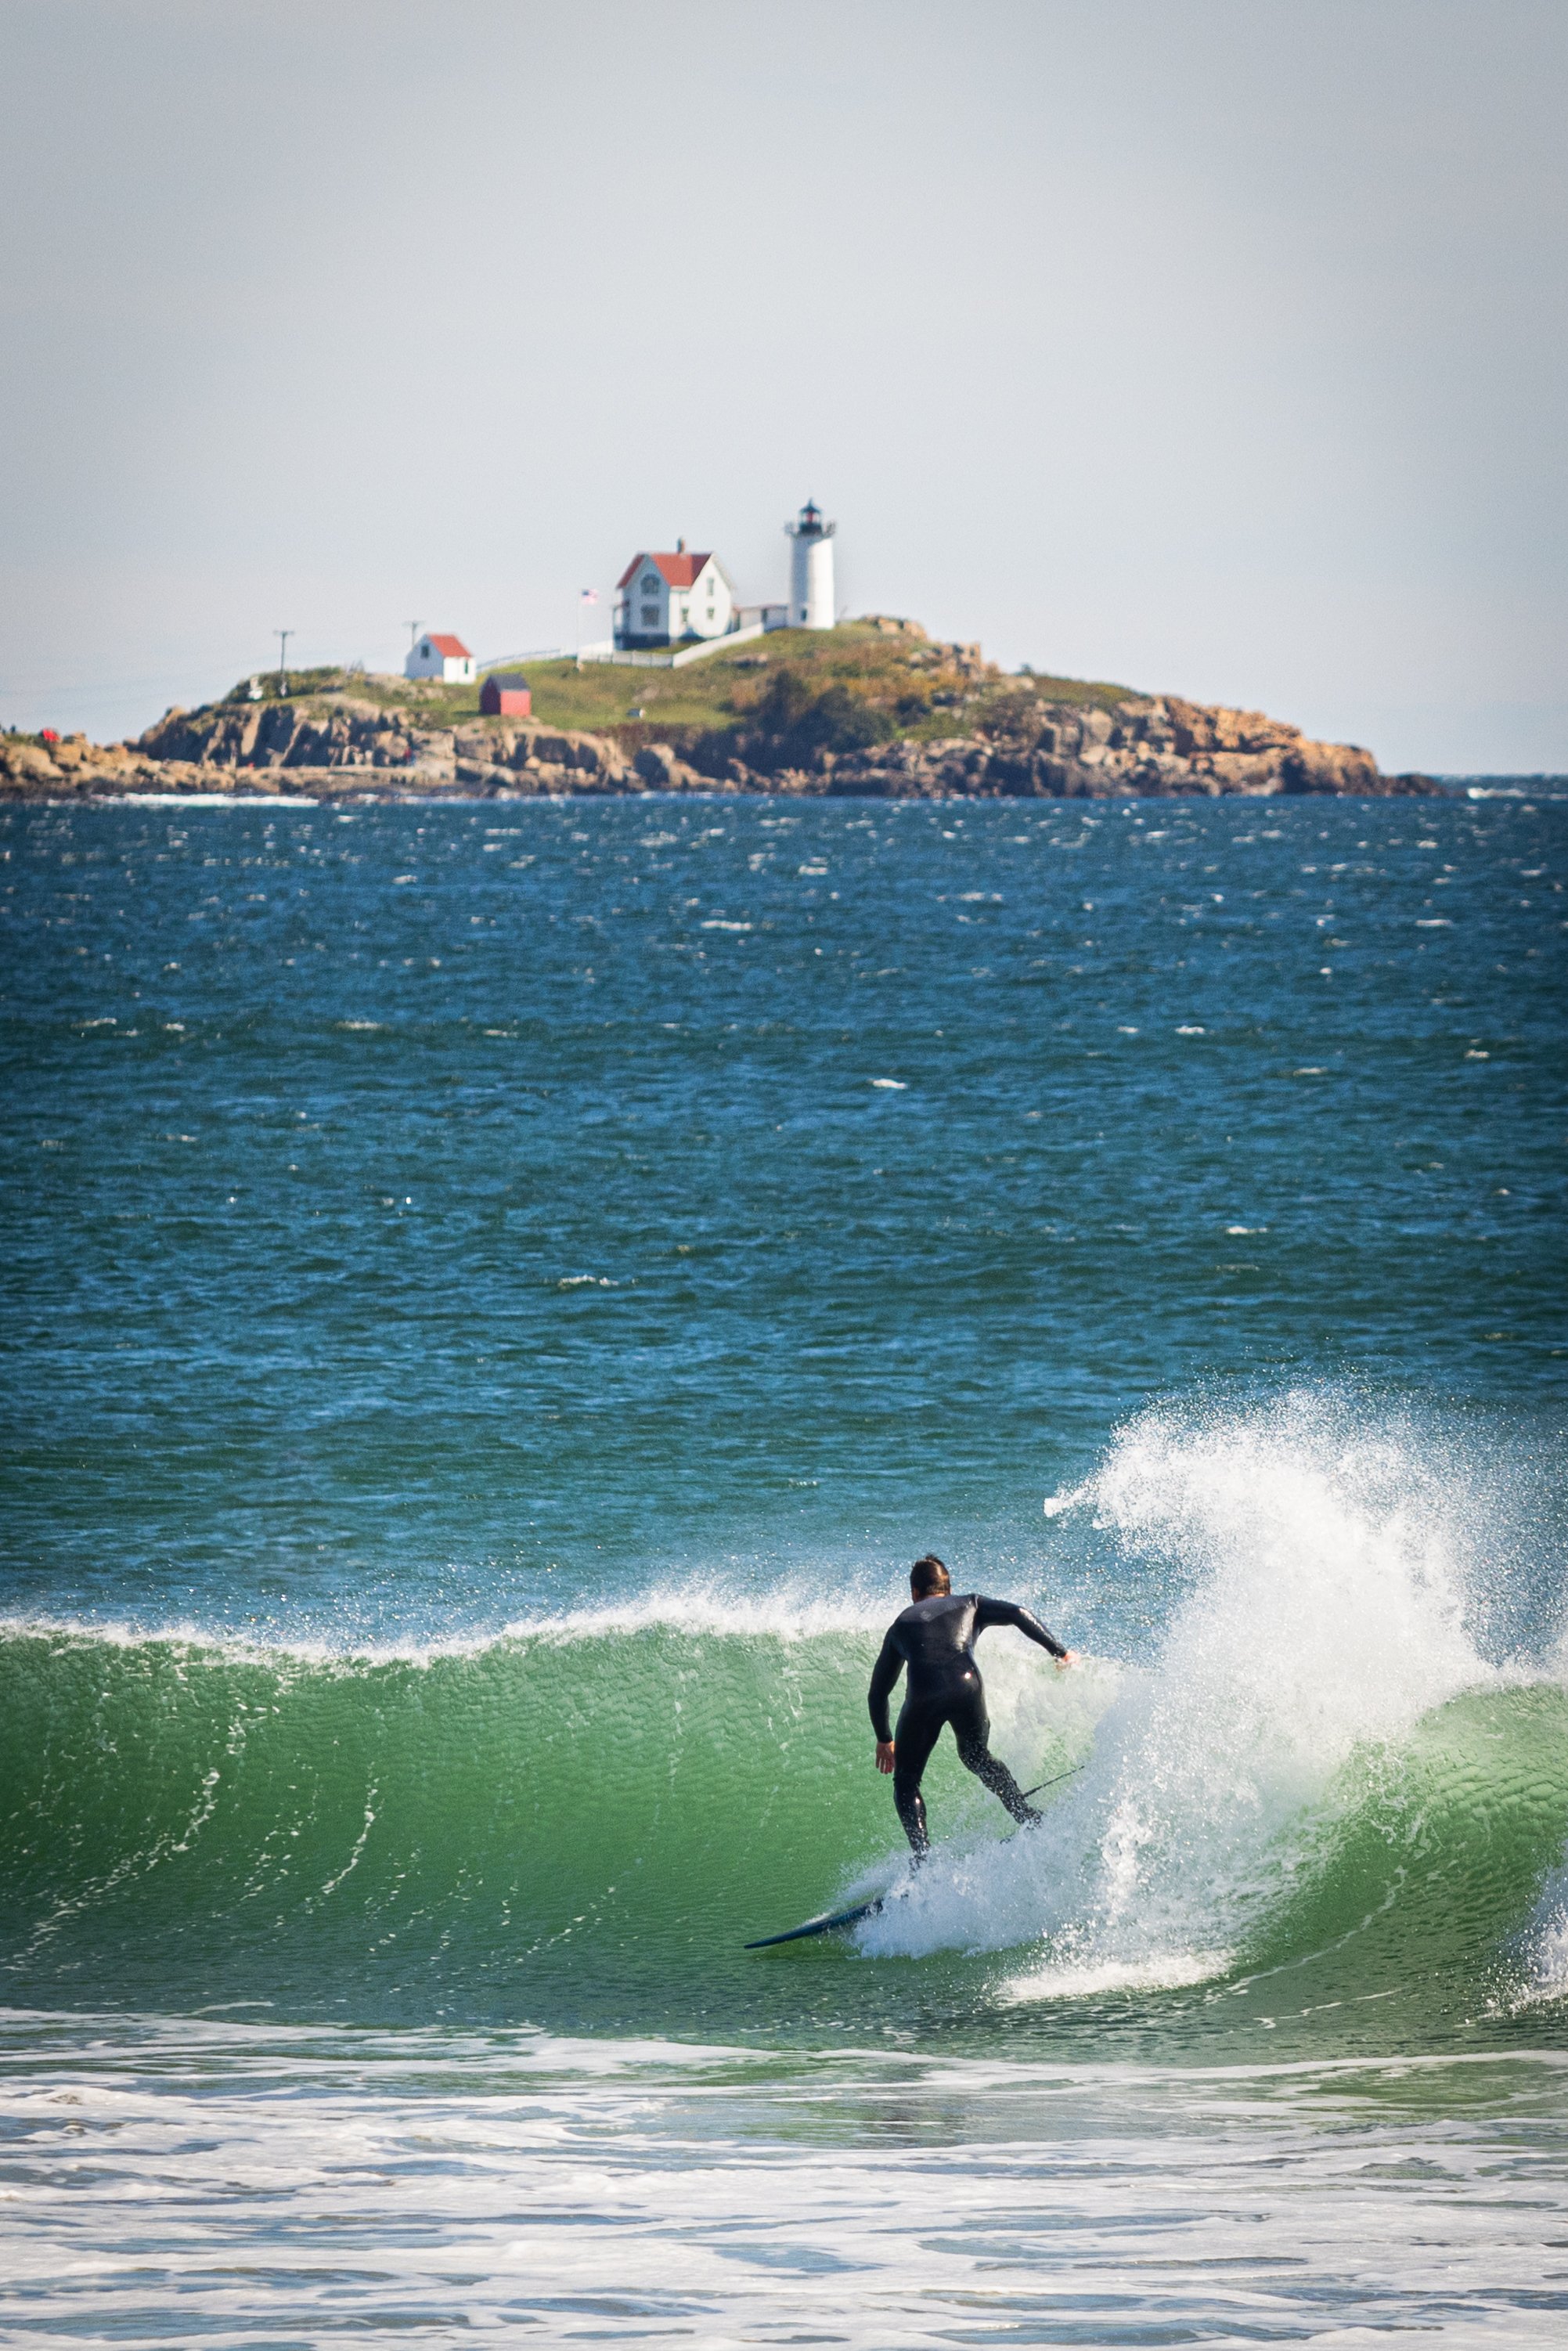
point(31, 768)
point(1146, 748)
point(359, 747)
point(1053, 750)
point(344, 746)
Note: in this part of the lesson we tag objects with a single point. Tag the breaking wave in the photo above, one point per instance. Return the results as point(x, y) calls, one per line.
point(1346, 1749)
point(1338, 1760)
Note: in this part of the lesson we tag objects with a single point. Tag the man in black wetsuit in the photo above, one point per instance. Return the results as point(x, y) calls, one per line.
point(934, 1642)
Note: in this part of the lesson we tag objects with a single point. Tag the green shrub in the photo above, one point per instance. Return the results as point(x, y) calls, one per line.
point(790, 724)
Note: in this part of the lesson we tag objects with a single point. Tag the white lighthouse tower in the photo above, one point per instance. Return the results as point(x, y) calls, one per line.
point(810, 570)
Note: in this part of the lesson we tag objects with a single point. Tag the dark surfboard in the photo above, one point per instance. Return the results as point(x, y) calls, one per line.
point(822, 1925)
point(832, 1919)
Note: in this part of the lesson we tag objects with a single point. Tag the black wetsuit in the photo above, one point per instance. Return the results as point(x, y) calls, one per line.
point(935, 1641)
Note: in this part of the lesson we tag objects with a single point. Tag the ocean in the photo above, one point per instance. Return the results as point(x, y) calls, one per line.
point(496, 1294)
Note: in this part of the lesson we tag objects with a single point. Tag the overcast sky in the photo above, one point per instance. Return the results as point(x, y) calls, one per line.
point(1215, 346)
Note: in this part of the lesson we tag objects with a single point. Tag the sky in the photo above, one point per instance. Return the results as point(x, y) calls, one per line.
point(1214, 347)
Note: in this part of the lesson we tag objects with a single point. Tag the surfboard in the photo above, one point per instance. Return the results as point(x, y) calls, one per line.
point(832, 1919)
point(822, 1925)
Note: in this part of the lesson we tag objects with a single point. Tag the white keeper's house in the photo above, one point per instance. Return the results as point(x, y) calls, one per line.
point(661, 599)
point(446, 658)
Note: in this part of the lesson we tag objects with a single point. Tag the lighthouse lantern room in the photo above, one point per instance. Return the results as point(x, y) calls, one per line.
point(810, 569)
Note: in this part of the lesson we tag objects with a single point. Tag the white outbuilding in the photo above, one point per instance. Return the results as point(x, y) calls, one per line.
point(811, 569)
point(446, 658)
point(660, 598)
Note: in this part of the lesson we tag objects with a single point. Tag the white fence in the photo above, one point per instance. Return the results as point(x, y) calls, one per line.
point(768, 618)
point(675, 659)
point(538, 652)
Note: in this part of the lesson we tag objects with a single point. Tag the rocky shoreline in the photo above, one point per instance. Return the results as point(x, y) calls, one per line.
point(340, 747)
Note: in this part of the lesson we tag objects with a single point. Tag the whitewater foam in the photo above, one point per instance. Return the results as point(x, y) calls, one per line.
point(1542, 1978)
point(787, 1614)
point(1325, 1592)
point(1065, 1982)
point(248, 2184)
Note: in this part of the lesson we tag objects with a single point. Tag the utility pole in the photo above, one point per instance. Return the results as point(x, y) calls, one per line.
point(282, 636)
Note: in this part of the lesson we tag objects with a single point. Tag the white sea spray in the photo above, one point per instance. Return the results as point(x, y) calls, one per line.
point(1325, 1573)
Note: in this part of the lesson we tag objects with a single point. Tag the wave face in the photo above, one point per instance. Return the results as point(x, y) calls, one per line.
point(1324, 1789)
point(270, 1823)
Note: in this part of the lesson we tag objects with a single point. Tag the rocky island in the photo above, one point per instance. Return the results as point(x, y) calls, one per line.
point(872, 707)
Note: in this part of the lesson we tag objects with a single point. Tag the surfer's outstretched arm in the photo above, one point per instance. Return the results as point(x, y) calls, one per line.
point(885, 1673)
point(1007, 1612)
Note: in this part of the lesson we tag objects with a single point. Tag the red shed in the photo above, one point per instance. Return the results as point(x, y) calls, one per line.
point(506, 694)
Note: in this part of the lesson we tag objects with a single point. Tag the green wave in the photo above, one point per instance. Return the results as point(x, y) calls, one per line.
point(1438, 1847)
point(176, 1813)
point(580, 1826)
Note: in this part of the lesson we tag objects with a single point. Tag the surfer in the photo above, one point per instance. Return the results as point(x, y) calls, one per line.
point(934, 1642)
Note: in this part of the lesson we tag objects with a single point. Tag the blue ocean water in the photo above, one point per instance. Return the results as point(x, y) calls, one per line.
point(496, 1294)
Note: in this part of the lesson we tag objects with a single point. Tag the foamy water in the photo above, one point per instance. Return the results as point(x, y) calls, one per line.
point(268, 2185)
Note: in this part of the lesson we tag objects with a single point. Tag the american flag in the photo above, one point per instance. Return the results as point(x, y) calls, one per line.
point(590, 596)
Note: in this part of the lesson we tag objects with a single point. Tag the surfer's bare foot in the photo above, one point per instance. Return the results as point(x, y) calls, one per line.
point(1070, 1658)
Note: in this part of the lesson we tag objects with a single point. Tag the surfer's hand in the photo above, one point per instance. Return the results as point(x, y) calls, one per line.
point(1068, 1658)
point(885, 1754)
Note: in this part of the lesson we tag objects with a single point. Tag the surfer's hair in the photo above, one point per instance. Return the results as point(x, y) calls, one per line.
point(928, 1577)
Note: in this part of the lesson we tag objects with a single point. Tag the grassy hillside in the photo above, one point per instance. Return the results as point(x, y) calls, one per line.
point(906, 684)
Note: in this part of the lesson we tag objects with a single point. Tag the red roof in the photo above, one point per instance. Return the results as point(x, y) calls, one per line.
point(450, 648)
point(679, 570)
